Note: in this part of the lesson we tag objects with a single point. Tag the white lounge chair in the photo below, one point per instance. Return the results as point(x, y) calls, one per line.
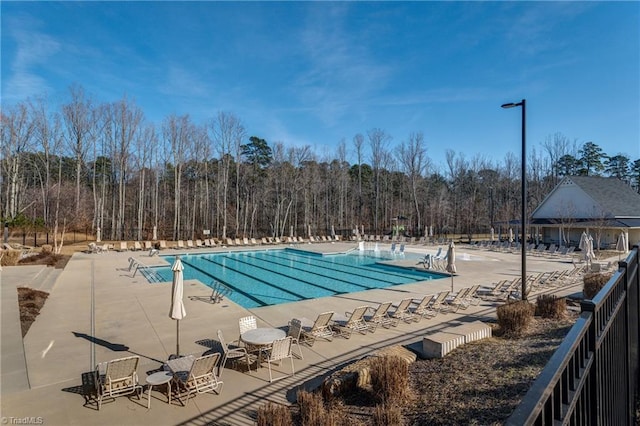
point(116, 378)
point(201, 377)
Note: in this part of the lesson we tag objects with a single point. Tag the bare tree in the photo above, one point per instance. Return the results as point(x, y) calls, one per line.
point(378, 141)
point(80, 121)
point(227, 134)
point(16, 135)
point(412, 156)
point(47, 135)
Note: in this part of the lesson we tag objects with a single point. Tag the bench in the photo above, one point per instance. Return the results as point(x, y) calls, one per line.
point(439, 344)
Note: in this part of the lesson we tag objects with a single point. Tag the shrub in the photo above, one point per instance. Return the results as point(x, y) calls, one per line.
point(47, 248)
point(314, 411)
point(389, 378)
point(593, 283)
point(550, 306)
point(272, 414)
point(514, 317)
point(311, 406)
point(385, 414)
point(11, 257)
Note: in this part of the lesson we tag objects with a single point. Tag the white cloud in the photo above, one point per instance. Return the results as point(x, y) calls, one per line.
point(33, 49)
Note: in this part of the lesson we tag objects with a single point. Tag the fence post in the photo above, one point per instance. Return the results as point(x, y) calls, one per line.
point(594, 376)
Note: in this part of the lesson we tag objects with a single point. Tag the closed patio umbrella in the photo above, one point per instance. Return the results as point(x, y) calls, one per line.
point(177, 311)
point(510, 235)
point(492, 233)
point(621, 246)
point(582, 245)
point(451, 261)
point(590, 254)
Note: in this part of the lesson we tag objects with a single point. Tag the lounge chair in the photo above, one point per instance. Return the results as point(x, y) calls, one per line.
point(321, 328)
point(424, 308)
point(116, 378)
point(201, 377)
point(199, 243)
point(403, 311)
point(353, 321)
point(380, 316)
point(436, 304)
point(148, 245)
point(137, 246)
point(123, 246)
point(190, 244)
point(459, 300)
point(180, 244)
point(472, 295)
point(163, 244)
point(280, 350)
point(234, 354)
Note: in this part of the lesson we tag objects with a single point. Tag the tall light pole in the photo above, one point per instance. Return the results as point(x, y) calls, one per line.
point(523, 193)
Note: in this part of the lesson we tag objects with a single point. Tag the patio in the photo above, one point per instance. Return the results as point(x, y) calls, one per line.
point(131, 318)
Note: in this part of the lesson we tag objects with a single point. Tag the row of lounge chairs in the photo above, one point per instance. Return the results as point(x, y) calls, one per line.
point(536, 250)
point(366, 319)
point(207, 243)
point(403, 240)
point(538, 282)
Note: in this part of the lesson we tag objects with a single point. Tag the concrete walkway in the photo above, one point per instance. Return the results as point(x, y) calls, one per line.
point(98, 311)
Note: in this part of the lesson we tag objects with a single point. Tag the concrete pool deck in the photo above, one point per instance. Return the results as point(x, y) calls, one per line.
point(42, 375)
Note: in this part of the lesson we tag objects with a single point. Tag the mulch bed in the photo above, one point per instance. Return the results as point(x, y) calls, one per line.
point(30, 302)
point(479, 383)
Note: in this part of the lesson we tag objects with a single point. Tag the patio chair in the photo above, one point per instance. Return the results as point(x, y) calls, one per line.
point(353, 321)
point(472, 295)
point(123, 246)
point(321, 328)
point(201, 378)
point(148, 245)
point(380, 316)
point(403, 312)
point(137, 246)
point(116, 378)
point(295, 330)
point(190, 244)
point(459, 300)
point(163, 244)
point(233, 354)
point(424, 308)
point(245, 324)
point(280, 350)
point(93, 248)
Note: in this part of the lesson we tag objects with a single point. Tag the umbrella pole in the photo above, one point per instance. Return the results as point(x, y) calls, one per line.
point(452, 282)
point(177, 337)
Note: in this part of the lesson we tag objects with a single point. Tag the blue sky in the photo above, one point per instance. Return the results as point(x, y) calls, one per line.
point(305, 73)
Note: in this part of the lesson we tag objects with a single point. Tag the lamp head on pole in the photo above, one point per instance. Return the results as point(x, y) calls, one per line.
point(512, 104)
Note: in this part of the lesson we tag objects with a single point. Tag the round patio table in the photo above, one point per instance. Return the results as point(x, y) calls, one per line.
point(262, 336)
point(156, 379)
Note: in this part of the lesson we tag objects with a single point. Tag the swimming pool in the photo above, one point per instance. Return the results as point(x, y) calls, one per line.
point(271, 277)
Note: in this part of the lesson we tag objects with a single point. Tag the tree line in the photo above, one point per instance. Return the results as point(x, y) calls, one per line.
point(89, 165)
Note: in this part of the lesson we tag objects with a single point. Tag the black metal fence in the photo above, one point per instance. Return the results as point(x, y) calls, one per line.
point(592, 379)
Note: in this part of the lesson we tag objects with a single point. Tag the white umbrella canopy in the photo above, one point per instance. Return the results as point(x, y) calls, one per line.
point(492, 233)
point(621, 245)
point(510, 235)
point(177, 311)
point(451, 261)
point(590, 254)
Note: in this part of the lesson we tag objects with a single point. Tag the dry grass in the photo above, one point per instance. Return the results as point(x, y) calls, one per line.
point(482, 382)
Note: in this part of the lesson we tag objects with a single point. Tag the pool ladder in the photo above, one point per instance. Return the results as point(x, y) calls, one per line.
point(219, 291)
point(145, 270)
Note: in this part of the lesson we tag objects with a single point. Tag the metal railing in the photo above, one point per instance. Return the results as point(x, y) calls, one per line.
point(592, 378)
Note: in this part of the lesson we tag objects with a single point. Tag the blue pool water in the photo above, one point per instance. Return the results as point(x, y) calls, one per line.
point(271, 277)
